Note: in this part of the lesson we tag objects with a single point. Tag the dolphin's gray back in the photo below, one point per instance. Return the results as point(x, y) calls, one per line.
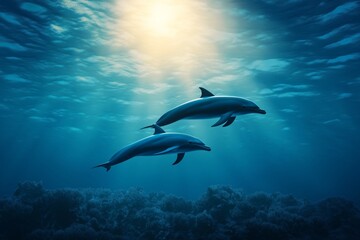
point(208, 107)
point(150, 146)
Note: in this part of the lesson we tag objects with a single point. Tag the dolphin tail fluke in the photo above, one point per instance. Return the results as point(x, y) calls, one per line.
point(105, 165)
point(157, 128)
point(150, 126)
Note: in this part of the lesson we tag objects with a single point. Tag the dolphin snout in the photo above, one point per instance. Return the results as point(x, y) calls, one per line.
point(206, 148)
point(261, 111)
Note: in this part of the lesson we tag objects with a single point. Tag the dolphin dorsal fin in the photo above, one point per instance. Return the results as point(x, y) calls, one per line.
point(156, 127)
point(205, 93)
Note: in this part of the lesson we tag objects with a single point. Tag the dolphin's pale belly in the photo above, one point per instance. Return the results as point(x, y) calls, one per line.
point(202, 116)
point(192, 111)
point(205, 112)
point(145, 150)
point(152, 152)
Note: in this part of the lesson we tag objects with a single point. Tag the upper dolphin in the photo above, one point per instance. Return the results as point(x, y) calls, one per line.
point(158, 144)
point(211, 106)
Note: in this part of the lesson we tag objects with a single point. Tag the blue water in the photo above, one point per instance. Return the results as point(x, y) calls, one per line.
point(77, 84)
point(78, 79)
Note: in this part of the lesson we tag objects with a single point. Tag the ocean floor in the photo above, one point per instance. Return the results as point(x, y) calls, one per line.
point(222, 212)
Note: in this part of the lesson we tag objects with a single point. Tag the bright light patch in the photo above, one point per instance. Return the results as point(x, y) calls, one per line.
point(161, 19)
point(167, 35)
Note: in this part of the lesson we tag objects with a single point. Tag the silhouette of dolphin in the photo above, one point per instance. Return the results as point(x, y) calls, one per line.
point(158, 144)
point(210, 106)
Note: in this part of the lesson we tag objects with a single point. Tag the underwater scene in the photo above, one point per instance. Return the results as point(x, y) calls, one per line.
point(180, 119)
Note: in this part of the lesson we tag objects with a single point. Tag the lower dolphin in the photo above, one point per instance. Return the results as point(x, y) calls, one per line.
point(226, 108)
point(158, 144)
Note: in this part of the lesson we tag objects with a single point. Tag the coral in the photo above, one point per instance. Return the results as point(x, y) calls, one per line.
point(33, 212)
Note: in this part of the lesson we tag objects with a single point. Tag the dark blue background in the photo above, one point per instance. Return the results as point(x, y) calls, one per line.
point(69, 100)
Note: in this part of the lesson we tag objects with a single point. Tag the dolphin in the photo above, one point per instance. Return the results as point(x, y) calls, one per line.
point(158, 144)
point(211, 106)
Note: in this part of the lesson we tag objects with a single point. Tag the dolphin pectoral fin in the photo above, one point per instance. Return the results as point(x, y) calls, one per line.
point(205, 93)
point(168, 150)
point(224, 118)
point(180, 157)
point(229, 121)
